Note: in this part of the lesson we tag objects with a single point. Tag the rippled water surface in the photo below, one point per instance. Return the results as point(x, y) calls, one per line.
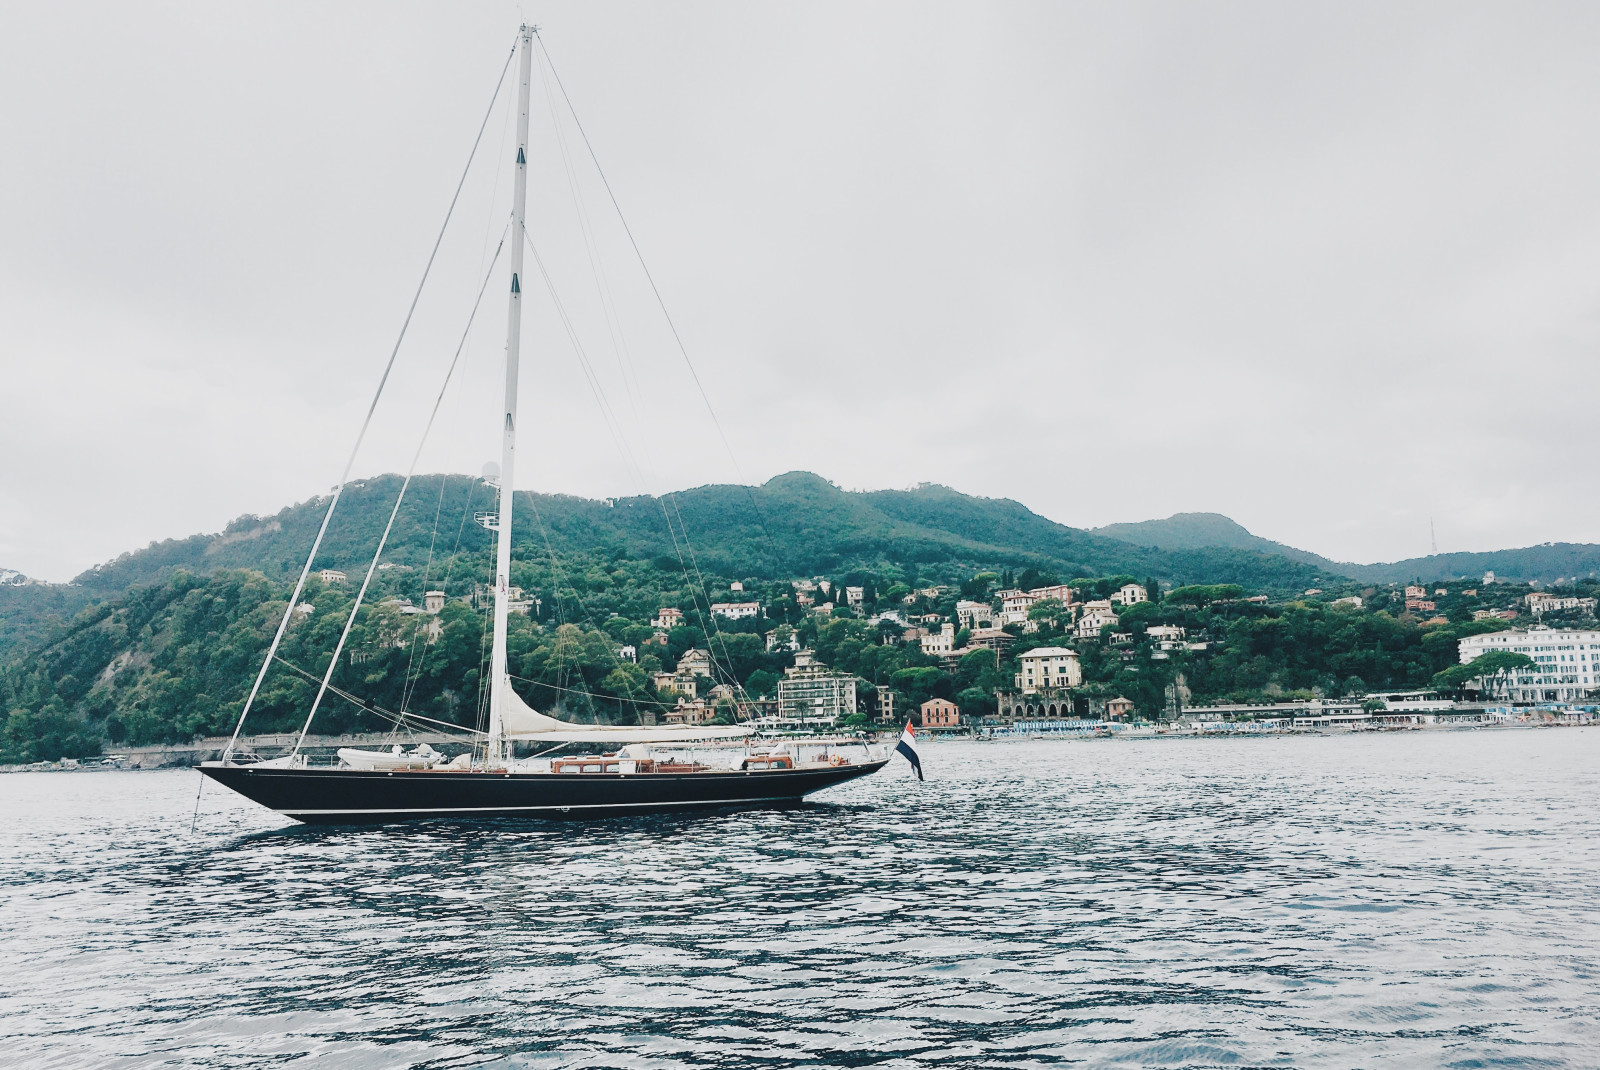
point(1406, 900)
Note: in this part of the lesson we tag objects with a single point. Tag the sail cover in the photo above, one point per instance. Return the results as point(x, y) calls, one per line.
point(518, 720)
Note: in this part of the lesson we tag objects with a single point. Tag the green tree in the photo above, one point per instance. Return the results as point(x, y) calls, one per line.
point(1493, 667)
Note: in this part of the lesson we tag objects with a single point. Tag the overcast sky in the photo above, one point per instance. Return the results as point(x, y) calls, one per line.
point(1330, 269)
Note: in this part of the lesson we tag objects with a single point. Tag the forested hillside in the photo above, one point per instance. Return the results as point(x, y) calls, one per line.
point(175, 632)
point(794, 525)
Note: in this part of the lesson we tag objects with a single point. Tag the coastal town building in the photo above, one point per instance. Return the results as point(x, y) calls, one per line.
point(736, 586)
point(668, 617)
point(332, 575)
point(1095, 616)
point(940, 713)
point(1131, 594)
point(676, 683)
point(1307, 713)
point(1165, 638)
point(1059, 591)
point(941, 643)
point(736, 610)
point(1048, 667)
point(1542, 602)
point(691, 713)
point(1046, 704)
point(886, 705)
point(975, 614)
point(517, 600)
point(854, 596)
point(1118, 708)
point(1411, 701)
point(694, 662)
point(1014, 605)
point(1488, 614)
point(812, 692)
point(996, 639)
point(1414, 591)
point(433, 602)
point(1567, 663)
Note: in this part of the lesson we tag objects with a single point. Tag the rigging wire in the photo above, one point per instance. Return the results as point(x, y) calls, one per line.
point(344, 477)
point(372, 707)
point(654, 289)
point(708, 625)
point(602, 282)
point(661, 303)
point(372, 568)
point(771, 546)
point(558, 580)
point(427, 574)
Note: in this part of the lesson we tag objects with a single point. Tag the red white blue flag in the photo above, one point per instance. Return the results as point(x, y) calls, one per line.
point(908, 747)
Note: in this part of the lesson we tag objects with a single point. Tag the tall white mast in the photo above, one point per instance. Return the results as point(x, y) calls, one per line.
point(498, 681)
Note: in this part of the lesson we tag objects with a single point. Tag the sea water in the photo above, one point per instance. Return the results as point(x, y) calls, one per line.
point(1424, 899)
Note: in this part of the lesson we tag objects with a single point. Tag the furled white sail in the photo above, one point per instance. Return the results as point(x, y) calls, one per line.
point(518, 720)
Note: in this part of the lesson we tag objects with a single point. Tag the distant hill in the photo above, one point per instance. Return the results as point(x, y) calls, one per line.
point(796, 524)
point(1547, 564)
point(1552, 563)
point(1194, 531)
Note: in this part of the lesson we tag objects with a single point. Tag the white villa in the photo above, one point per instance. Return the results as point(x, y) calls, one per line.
point(941, 643)
point(1094, 617)
point(1131, 594)
point(1049, 666)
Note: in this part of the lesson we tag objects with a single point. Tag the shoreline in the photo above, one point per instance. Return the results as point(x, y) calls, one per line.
point(189, 756)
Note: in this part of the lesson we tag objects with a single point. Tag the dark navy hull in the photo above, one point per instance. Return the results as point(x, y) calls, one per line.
point(344, 796)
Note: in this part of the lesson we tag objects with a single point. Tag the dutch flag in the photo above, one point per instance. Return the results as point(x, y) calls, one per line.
point(908, 747)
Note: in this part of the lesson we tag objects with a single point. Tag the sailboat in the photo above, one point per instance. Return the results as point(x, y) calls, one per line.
point(636, 768)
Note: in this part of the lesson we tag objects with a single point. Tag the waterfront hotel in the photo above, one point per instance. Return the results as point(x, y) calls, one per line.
point(1568, 668)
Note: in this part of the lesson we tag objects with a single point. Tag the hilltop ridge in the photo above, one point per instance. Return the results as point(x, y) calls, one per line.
point(1546, 564)
point(795, 524)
